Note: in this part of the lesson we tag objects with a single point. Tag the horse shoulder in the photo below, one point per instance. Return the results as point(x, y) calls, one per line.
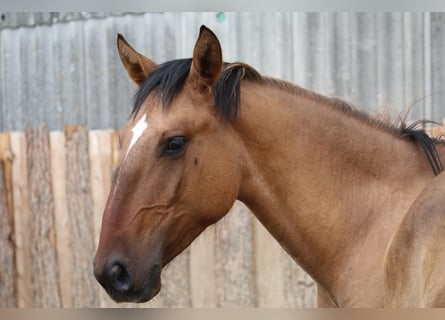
point(415, 260)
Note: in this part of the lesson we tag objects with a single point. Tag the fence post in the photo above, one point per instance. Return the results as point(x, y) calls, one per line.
point(44, 270)
point(57, 143)
point(80, 217)
point(7, 276)
point(22, 237)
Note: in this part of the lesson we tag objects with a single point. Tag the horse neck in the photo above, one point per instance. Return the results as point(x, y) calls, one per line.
point(320, 179)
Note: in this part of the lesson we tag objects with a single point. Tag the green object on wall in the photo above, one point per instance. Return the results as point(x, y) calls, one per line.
point(220, 16)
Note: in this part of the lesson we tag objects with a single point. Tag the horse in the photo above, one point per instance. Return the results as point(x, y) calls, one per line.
point(357, 202)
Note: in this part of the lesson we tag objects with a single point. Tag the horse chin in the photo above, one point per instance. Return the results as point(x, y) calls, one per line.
point(153, 285)
point(147, 290)
point(149, 293)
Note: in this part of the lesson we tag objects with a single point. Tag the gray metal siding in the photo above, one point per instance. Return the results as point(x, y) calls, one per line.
point(63, 68)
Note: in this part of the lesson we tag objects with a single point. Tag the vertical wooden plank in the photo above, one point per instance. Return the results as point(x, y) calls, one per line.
point(234, 256)
point(7, 287)
point(291, 287)
point(7, 274)
point(269, 275)
point(6, 158)
point(21, 220)
point(101, 165)
point(80, 217)
point(202, 270)
point(57, 145)
point(299, 288)
point(44, 270)
point(175, 292)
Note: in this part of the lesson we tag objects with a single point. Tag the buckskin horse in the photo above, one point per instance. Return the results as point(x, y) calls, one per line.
point(358, 203)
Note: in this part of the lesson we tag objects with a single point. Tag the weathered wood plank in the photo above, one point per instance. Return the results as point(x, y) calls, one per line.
point(44, 270)
point(269, 269)
point(202, 270)
point(280, 282)
point(100, 148)
point(175, 292)
point(6, 157)
point(234, 259)
point(7, 273)
point(80, 217)
point(57, 145)
point(101, 167)
point(21, 220)
point(299, 288)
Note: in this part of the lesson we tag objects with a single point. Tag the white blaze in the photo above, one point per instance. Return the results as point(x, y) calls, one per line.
point(137, 130)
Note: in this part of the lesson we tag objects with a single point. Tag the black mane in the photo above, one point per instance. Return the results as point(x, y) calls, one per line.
point(169, 78)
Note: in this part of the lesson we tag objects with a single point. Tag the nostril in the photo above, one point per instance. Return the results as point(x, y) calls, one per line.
point(119, 277)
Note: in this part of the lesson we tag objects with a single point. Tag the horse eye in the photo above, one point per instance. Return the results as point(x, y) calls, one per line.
point(174, 145)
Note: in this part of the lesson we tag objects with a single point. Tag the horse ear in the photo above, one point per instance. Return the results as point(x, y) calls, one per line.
point(207, 58)
point(138, 66)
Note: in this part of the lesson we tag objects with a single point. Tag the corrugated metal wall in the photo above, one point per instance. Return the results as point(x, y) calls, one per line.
point(63, 68)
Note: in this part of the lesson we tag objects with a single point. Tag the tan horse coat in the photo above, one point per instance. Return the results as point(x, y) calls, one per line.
point(335, 188)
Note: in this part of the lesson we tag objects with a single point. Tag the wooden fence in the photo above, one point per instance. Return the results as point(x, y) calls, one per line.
point(53, 186)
